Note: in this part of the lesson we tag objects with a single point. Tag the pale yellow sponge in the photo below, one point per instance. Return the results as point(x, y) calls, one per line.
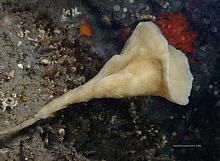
point(146, 66)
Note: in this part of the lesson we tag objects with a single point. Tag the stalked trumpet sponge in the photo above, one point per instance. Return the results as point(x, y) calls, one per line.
point(146, 66)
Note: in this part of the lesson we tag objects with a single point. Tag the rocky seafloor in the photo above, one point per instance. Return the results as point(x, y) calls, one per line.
point(43, 55)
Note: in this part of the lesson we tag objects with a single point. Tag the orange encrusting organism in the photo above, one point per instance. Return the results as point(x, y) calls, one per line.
point(175, 28)
point(85, 29)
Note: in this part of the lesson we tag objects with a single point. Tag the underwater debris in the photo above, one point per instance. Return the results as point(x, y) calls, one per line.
point(175, 28)
point(124, 76)
point(68, 13)
point(8, 101)
point(10, 73)
point(106, 20)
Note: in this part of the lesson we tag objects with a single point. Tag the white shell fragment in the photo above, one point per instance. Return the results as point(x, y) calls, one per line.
point(147, 65)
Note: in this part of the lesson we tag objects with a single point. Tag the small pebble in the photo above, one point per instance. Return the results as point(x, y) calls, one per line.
point(21, 34)
point(42, 31)
point(3, 151)
point(174, 133)
point(45, 61)
point(61, 131)
point(106, 20)
point(216, 92)
point(164, 138)
point(19, 43)
point(10, 74)
point(214, 29)
point(46, 140)
point(21, 66)
point(147, 8)
point(14, 95)
point(125, 9)
point(139, 132)
point(166, 5)
point(211, 86)
point(116, 8)
point(143, 138)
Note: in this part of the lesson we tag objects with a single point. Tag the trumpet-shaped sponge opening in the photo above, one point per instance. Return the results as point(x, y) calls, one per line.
point(180, 77)
point(177, 78)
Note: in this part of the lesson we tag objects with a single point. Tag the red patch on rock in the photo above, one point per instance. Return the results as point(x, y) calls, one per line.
point(175, 28)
